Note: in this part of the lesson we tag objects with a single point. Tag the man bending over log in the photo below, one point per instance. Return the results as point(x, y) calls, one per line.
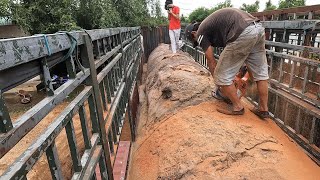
point(243, 39)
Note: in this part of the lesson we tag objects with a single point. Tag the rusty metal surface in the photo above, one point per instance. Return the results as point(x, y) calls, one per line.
point(293, 25)
point(305, 10)
point(22, 50)
point(121, 162)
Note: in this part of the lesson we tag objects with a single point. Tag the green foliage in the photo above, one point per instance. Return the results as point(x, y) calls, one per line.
point(184, 19)
point(225, 4)
point(201, 13)
point(250, 7)
point(270, 6)
point(291, 3)
point(43, 16)
point(49, 16)
point(156, 17)
point(5, 8)
point(97, 14)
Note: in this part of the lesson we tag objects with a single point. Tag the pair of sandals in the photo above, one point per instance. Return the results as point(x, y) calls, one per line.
point(229, 111)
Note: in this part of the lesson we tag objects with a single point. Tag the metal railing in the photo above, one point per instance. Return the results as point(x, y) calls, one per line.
point(107, 61)
point(304, 12)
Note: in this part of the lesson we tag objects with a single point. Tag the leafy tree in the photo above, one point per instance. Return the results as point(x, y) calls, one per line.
point(199, 14)
point(43, 16)
point(93, 14)
point(156, 16)
point(49, 16)
point(184, 19)
point(225, 4)
point(291, 3)
point(270, 6)
point(250, 7)
point(5, 8)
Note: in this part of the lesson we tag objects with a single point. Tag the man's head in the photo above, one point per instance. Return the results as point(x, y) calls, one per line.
point(191, 33)
point(168, 4)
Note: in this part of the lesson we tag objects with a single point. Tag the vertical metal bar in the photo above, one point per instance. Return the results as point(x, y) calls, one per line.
point(281, 70)
point(284, 35)
point(111, 82)
point(84, 127)
point(5, 120)
point(103, 44)
point(110, 139)
point(54, 162)
point(312, 134)
point(97, 48)
point(114, 131)
point(297, 124)
point(285, 121)
point(107, 88)
point(132, 124)
point(305, 80)
point(292, 74)
point(103, 95)
point(276, 106)
point(71, 69)
point(93, 114)
point(72, 140)
point(299, 39)
point(46, 77)
point(103, 168)
point(271, 65)
point(89, 62)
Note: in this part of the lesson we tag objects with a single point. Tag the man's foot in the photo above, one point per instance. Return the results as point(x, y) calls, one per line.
point(217, 94)
point(261, 114)
point(230, 111)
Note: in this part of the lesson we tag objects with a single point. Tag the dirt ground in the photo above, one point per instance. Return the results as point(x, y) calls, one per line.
point(41, 169)
point(176, 141)
point(16, 109)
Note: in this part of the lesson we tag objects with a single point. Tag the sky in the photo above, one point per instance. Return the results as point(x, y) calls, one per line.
point(187, 6)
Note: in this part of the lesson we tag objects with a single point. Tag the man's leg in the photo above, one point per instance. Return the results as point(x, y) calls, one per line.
point(173, 41)
point(262, 87)
point(258, 67)
point(231, 60)
point(231, 92)
point(177, 36)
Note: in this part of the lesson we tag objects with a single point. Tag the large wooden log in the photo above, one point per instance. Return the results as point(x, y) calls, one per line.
point(182, 136)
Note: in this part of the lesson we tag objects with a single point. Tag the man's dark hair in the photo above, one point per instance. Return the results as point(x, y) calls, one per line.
point(167, 3)
point(189, 29)
point(196, 26)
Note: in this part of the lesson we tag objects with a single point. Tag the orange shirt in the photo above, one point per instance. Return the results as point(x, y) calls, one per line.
point(174, 23)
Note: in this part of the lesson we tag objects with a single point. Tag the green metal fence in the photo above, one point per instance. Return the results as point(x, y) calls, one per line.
point(106, 61)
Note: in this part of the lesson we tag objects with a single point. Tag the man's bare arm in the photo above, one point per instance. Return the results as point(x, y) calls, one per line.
point(211, 60)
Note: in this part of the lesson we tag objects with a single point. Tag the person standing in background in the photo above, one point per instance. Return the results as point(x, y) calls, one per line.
point(174, 26)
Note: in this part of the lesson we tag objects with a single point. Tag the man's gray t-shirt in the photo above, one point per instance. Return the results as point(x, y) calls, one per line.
point(222, 27)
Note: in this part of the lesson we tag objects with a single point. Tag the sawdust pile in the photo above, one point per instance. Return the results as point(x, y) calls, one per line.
point(182, 136)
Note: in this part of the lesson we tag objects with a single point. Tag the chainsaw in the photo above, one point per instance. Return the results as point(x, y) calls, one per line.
point(240, 81)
